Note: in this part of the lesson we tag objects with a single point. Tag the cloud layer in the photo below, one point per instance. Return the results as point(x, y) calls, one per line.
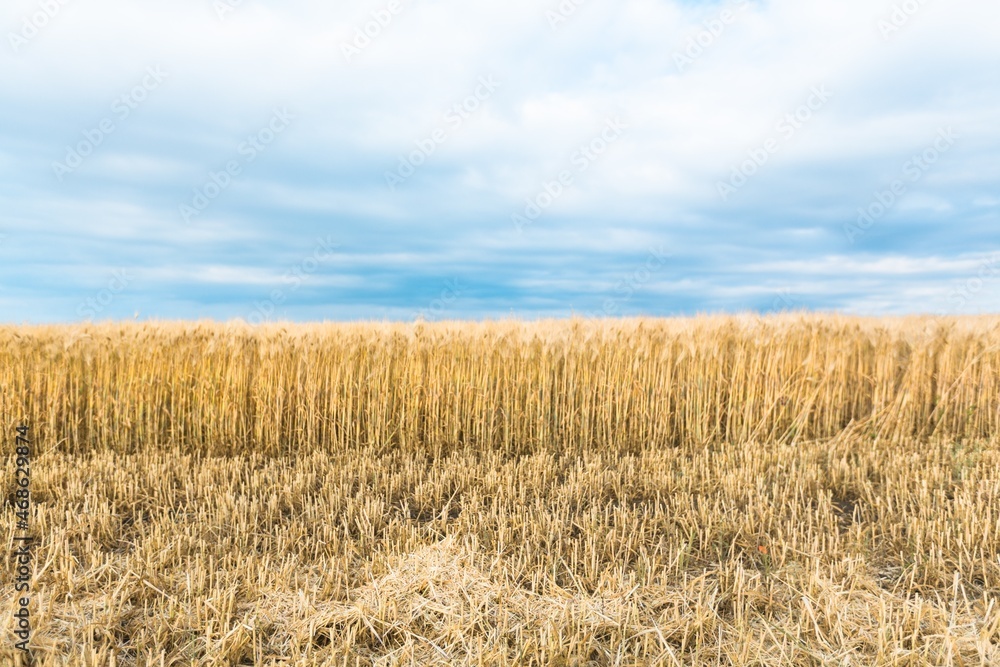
point(395, 158)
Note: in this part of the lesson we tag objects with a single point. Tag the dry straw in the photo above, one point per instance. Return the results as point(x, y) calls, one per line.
point(796, 490)
point(509, 386)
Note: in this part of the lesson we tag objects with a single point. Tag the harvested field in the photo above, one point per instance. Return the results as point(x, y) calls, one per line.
point(792, 490)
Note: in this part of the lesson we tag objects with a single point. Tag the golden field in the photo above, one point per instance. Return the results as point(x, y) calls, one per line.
point(789, 490)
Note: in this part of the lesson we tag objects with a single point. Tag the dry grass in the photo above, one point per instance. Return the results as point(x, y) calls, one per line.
point(800, 490)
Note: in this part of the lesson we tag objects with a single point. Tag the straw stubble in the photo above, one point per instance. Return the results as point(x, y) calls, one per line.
point(716, 491)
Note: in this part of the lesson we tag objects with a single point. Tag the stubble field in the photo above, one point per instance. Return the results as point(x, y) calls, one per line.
point(793, 490)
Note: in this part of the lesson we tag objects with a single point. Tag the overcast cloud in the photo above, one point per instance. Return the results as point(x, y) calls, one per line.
point(266, 160)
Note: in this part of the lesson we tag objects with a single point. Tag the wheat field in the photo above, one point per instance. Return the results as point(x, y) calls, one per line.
point(720, 490)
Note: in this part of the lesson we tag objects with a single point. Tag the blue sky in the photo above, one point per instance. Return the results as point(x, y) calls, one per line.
point(394, 159)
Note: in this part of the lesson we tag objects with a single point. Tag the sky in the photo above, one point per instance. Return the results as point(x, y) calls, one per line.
point(404, 159)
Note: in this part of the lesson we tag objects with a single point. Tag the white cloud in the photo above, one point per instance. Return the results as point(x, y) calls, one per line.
point(687, 131)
